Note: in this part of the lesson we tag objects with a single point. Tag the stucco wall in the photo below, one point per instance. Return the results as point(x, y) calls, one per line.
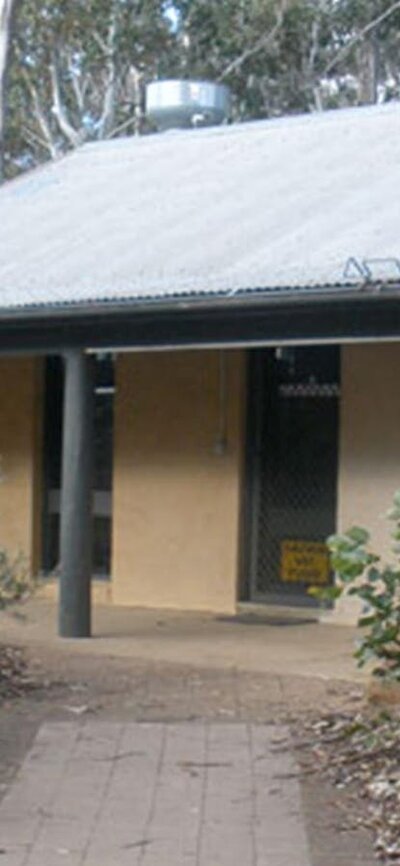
point(20, 438)
point(176, 501)
point(369, 463)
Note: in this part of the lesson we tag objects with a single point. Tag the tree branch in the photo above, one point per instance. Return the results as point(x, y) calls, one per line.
point(32, 138)
point(106, 120)
point(259, 45)
point(122, 126)
point(73, 136)
point(310, 69)
point(75, 83)
point(41, 119)
point(358, 37)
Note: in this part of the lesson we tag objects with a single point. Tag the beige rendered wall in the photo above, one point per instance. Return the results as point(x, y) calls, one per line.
point(176, 501)
point(369, 462)
point(20, 449)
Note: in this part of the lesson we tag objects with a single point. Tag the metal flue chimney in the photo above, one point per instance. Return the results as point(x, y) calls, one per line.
point(181, 104)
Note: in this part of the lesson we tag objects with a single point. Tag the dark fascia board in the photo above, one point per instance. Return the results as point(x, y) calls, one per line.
point(248, 320)
point(301, 295)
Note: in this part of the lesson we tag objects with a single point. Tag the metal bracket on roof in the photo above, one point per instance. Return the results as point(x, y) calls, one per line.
point(391, 264)
point(364, 268)
point(354, 268)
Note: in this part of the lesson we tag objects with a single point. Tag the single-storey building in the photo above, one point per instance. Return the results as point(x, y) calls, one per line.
point(212, 319)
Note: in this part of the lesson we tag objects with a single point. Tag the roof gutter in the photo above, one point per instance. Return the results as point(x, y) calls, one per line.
point(260, 298)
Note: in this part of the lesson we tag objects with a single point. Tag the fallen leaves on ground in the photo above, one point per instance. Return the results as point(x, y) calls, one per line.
point(362, 753)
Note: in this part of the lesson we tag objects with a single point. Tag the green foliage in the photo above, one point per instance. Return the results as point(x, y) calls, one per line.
point(285, 56)
point(77, 72)
point(360, 573)
point(15, 580)
point(79, 67)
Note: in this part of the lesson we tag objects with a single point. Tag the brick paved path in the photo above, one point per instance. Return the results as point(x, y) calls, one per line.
point(187, 794)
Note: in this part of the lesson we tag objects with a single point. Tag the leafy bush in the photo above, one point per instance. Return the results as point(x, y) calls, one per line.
point(361, 573)
point(15, 580)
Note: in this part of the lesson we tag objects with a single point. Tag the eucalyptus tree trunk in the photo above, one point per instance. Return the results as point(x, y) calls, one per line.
point(7, 11)
point(368, 71)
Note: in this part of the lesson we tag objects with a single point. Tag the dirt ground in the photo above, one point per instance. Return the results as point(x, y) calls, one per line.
point(71, 685)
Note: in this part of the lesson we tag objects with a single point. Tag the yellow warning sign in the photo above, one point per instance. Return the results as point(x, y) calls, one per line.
point(304, 562)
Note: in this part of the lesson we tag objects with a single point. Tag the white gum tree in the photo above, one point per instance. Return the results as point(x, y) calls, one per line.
point(7, 18)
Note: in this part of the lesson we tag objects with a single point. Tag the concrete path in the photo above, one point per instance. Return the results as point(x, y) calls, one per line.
point(188, 794)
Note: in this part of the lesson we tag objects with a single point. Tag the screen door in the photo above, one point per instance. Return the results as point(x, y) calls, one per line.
point(292, 464)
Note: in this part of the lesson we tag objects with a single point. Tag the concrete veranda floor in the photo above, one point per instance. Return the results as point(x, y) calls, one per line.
point(267, 642)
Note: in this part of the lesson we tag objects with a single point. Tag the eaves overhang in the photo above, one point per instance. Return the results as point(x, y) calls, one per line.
point(247, 318)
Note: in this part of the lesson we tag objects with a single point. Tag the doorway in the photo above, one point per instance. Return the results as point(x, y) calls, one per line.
point(292, 460)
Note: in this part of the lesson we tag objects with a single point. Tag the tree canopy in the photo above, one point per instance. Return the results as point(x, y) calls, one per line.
point(76, 72)
point(283, 56)
point(77, 68)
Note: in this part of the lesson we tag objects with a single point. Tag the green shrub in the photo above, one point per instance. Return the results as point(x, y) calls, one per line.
point(15, 580)
point(361, 573)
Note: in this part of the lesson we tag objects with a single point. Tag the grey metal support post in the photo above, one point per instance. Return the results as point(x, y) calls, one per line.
point(76, 496)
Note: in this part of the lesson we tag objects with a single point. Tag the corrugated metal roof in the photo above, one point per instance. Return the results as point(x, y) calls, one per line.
point(278, 203)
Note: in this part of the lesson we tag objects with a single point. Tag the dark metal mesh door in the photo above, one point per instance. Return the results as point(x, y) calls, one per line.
point(296, 461)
